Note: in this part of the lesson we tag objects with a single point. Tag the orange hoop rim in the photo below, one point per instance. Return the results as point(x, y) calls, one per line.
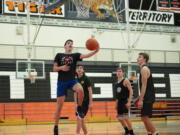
point(133, 77)
point(32, 76)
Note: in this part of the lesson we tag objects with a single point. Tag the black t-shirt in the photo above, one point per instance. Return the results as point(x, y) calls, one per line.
point(149, 96)
point(122, 92)
point(70, 60)
point(85, 82)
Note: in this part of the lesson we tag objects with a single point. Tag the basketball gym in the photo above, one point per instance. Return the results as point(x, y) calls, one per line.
point(34, 31)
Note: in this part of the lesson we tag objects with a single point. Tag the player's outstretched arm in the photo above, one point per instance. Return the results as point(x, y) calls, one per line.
point(89, 54)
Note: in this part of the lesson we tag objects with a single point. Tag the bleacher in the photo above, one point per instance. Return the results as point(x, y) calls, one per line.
point(162, 108)
point(43, 112)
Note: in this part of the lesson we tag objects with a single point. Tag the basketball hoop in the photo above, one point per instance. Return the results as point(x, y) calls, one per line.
point(134, 79)
point(82, 8)
point(32, 78)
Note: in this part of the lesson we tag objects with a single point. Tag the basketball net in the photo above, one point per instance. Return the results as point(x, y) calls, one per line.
point(32, 78)
point(134, 79)
point(82, 8)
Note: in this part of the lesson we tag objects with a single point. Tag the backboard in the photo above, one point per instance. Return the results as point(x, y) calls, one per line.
point(131, 70)
point(26, 69)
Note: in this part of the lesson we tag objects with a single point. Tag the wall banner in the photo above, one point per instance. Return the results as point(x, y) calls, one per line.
point(168, 5)
point(20, 7)
point(152, 17)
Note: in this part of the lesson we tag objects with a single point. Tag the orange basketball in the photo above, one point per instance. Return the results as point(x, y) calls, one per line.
point(92, 44)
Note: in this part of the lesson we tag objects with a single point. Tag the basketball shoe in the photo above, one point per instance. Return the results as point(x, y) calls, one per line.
point(56, 130)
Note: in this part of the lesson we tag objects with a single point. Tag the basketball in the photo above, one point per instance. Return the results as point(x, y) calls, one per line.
point(92, 44)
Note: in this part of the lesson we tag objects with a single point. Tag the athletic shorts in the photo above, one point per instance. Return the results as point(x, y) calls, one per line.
point(85, 107)
point(122, 109)
point(147, 109)
point(62, 87)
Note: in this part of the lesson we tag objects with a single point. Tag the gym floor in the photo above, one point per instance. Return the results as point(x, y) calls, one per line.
point(164, 127)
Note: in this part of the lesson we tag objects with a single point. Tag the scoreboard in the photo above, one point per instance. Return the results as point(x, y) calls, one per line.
point(168, 5)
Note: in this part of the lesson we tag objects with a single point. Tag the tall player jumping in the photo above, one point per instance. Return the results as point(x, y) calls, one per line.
point(65, 65)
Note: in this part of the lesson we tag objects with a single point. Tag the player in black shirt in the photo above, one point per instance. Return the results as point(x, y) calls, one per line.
point(147, 94)
point(87, 101)
point(65, 65)
point(124, 94)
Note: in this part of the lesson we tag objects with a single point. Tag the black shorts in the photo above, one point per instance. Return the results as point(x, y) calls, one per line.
point(122, 109)
point(85, 107)
point(147, 109)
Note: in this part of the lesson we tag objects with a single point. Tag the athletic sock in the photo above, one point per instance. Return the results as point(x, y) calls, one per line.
point(155, 133)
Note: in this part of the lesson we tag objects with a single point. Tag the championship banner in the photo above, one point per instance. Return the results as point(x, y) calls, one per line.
point(153, 17)
point(20, 7)
point(168, 5)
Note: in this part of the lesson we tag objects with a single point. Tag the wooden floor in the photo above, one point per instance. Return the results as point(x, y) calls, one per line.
point(170, 127)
